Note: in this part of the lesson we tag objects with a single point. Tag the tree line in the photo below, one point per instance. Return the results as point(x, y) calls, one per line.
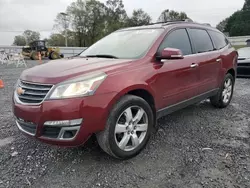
point(238, 24)
point(86, 21)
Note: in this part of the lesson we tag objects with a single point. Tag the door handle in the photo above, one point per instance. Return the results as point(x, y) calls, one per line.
point(218, 60)
point(194, 65)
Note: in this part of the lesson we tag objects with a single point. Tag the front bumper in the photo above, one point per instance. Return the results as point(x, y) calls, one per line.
point(92, 110)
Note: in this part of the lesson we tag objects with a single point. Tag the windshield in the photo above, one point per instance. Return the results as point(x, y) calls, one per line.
point(129, 44)
point(244, 52)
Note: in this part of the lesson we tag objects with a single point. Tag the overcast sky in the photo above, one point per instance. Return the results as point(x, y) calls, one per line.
point(19, 15)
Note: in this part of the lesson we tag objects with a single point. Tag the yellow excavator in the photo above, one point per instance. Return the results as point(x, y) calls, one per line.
point(32, 51)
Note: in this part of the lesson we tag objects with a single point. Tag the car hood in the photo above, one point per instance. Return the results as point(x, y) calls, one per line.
point(57, 71)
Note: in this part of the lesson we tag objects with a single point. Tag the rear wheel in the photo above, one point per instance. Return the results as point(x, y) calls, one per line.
point(128, 128)
point(34, 55)
point(55, 55)
point(225, 94)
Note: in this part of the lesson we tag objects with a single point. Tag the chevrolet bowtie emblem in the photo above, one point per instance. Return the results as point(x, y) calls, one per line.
point(20, 91)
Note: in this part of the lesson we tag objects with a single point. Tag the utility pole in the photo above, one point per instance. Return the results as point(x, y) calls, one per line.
point(65, 27)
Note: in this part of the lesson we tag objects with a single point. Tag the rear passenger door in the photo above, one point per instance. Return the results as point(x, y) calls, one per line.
point(208, 59)
point(223, 46)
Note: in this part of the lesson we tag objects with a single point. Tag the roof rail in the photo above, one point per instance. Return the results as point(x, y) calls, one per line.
point(178, 21)
point(185, 21)
point(171, 21)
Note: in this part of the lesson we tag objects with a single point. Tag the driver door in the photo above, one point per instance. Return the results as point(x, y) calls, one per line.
point(177, 79)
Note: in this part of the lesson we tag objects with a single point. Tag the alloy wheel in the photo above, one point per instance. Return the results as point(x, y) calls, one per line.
point(227, 90)
point(131, 128)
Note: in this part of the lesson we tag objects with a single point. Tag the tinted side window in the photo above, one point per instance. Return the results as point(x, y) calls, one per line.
point(201, 39)
point(177, 39)
point(219, 39)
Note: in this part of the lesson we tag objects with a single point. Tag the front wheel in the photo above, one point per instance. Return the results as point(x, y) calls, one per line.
point(128, 128)
point(225, 94)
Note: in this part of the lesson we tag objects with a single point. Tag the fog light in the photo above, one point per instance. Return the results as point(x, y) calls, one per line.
point(64, 122)
point(69, 134)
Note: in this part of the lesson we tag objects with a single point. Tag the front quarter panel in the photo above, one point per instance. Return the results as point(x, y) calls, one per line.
point(140, 77)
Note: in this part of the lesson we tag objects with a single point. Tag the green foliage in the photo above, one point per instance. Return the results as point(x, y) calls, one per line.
point(87, 20)
point(78, 19)
point(61, 22)
point(31, 36)
point(238, 24)
point(95, 12)
point(56, 39)
point(221, 26)
point(116, 15)
point(19, 40)
point(26, 38)
point(239, 46)
point(171, 15)
point(139, 17)
point(246, 5)
point(90, 20)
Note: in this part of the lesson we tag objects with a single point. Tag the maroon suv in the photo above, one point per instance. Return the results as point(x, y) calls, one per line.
point(120, 86)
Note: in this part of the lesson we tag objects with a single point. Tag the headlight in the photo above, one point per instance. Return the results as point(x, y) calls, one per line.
point(81, 86)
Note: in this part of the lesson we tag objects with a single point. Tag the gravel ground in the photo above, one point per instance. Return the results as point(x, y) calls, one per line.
point(199, 146)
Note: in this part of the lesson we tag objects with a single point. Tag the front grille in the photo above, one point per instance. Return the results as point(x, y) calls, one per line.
point(51, 132)
point(27, 126)
point(34, 93)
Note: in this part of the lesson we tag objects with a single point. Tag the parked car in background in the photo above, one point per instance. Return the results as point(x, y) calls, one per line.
point(119, 86)
point(243, 69)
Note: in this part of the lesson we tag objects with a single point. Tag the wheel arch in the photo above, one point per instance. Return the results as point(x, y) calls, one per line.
point(146, 95)
point(139, 90)
point(232, 72)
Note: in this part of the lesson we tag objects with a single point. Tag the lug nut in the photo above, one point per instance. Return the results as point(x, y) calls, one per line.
point(135, 127)
point(132, 132)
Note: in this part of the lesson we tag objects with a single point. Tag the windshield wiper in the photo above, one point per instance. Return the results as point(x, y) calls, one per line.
point(103, 55)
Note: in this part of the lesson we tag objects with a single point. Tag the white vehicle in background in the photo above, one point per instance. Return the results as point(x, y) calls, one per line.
point(243, 68)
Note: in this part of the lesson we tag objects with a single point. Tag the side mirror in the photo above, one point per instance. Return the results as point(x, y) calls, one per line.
point(171, 53)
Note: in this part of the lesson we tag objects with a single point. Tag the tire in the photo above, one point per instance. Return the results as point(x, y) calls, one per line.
point(218, 100)
point(50, 55)
point(54, 55)
point(34, 56)
point(109, 140)
point(31, 57)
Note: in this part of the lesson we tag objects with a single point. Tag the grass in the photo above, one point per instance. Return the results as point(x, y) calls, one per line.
point(239, 46)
